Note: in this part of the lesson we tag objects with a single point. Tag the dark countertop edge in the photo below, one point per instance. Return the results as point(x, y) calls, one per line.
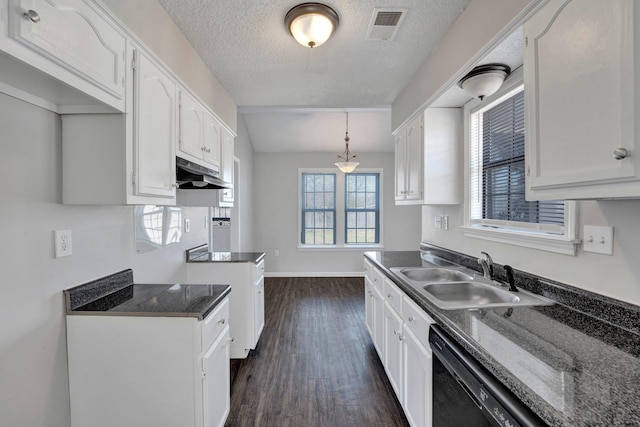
point(529, 399)
point(202, 250)
point(199, 315)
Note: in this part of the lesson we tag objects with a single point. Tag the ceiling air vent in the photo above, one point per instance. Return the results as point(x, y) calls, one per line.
point(385, 23)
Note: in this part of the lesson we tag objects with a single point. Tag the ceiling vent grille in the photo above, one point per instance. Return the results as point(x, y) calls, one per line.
point(385, 23)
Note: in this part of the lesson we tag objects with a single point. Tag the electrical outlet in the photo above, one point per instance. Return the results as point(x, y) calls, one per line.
point(276, 253)
point(187, 225)
point(598, 239)
point(63, 243)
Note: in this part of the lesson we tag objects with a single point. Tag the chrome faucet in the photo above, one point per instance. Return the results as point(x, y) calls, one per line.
point(487, 265)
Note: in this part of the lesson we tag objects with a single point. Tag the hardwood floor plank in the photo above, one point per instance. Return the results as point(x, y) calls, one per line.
point(315, 364)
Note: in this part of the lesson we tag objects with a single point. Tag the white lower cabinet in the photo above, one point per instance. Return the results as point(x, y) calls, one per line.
point(246, 299)
point(149, 371)
point(405, 354)
point(393, 348)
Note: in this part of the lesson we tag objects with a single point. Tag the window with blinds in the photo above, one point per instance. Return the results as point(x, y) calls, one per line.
point(318, 209)
point(497, 184)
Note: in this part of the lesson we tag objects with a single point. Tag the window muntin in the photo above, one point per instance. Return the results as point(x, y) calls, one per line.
point(497, 165)
point(318, 209)
point(362, 208)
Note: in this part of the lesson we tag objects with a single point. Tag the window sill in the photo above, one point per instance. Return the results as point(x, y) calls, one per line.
point(339, 247)
point(541, 241)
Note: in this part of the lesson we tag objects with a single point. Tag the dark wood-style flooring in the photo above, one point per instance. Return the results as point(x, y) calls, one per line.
point(315, 364)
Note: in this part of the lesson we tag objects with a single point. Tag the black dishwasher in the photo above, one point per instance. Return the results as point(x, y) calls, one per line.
point(466, 394)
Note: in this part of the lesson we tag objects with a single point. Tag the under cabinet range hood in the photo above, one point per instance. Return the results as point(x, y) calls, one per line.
point(191, 176)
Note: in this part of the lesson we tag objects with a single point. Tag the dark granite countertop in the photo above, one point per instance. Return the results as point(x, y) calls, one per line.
point(201, 254)
point(570, 368)
point(117, 295)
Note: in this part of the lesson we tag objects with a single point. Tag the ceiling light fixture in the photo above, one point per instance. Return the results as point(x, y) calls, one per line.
point(345, 161)
point(311, 24)
point(484, 80)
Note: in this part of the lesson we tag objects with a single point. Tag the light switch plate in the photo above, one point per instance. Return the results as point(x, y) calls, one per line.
point(598, 239)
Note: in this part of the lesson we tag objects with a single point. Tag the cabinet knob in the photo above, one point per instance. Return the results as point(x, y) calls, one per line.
point(221, 321)
point(232, 339)
point(208, 150)
point(621, 153)
point(32, 16)
point(400, 337)
point(389, 296)
point(411, 319)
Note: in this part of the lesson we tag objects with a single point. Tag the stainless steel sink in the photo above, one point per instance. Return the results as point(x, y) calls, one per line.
point(451, 289)
point(433, 274)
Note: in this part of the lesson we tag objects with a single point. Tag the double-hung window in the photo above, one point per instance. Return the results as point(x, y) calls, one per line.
point(318, 209)
point(498, 210)
point(340, 210)
point(362, 208)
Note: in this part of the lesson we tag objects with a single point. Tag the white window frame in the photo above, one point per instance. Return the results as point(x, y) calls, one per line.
point(536, 236)
point(340, 212)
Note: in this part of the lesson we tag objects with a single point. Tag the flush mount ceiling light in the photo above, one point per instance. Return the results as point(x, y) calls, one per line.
point(345, 161)
point(484, 80)
point(311, 24)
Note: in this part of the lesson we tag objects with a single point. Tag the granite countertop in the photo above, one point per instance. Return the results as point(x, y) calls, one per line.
point(570, 368)
point(201, 254)
point(117, 295)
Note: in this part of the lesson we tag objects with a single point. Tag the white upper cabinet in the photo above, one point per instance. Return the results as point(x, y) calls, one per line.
point(124, 159)
point(199, 139)
point(581, 90)
point(429, 158)
point(72, 41)
point(154, 121)
point(211, 139)
point(226, 166)
point(409, 167)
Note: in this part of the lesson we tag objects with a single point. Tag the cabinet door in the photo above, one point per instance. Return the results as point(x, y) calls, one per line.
point(400, 153)
point(191, 126)
point(154, 129)
point(212, 134)
point(413, 159)
point(217, 382)
point(417, 380)
point(393, 348)
point(378, 321)
point(73, 35)
point(226, 153)
point(368, 306)
point(581, 90)
point(259, 308)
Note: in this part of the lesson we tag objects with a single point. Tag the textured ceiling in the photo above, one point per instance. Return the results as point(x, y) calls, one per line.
point(247, 47)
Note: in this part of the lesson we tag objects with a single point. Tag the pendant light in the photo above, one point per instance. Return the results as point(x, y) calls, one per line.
point(345, 161)
point(484, 80)
point(311, 24)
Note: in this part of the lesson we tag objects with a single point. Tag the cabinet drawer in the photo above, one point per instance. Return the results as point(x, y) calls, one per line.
point(393, 295)
point(417, 320)
point(215, 323)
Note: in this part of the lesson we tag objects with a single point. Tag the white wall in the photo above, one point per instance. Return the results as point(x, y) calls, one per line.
point(616, 276)
point(243, 206)
point(276, 214)
point(33, 360)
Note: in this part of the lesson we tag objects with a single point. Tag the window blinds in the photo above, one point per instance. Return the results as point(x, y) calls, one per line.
point(497, 184)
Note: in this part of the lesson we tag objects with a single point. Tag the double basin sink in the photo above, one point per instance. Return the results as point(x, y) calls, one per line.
point(454, 287)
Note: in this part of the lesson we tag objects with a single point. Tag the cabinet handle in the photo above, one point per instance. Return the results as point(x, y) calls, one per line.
point(621, 153)
point(221, 321)
point(32, 16)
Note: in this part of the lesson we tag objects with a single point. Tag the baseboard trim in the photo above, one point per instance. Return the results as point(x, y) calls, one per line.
point(315, 274)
